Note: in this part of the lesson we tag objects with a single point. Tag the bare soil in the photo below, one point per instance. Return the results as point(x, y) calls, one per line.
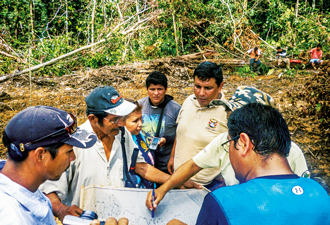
point(292, 96)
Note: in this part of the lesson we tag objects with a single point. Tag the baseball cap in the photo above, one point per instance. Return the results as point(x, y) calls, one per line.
point(41, 126)
point(248, 94)
point(107, 99)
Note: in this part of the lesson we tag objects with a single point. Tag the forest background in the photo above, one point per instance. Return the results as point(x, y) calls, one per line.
point(58, 51)
point(58, 37)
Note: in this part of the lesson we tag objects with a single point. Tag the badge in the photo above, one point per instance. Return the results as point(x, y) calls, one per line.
point(213, 123)
point(297, 190)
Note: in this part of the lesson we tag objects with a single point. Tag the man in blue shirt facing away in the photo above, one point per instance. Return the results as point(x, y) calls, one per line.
point(269, 192)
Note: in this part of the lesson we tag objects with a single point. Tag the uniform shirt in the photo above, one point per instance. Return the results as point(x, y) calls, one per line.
point(252, 53)
point(92, 168)
point(20, 206)
point(316, 54)
point(197, 127)
point(271, 200)
point(213, 155)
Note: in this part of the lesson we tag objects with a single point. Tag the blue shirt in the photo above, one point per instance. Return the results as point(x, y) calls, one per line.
point(271, 200)
point(20, 206)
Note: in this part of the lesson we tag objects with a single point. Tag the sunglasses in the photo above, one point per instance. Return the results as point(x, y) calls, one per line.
point(225, 145)
point(66, 130)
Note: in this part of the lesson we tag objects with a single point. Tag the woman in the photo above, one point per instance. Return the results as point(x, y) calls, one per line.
point(133, 123)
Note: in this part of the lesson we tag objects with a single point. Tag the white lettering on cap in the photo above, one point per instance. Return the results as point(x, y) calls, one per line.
point(297, 190)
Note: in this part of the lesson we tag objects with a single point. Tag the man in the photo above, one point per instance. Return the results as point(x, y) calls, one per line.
point(39, 140)
point(254, 58)
point(316, 55)
point(202, 118)
point(281, 57)
point(269, 192)
point(102, 164)
point(215, 154)
point(152, 107)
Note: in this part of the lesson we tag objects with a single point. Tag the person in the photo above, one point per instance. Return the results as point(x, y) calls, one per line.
point(39, 141)
point(202, 117)
point(102, 164)
point(281, 57)
point(316, 56)
point(133, 123)
point(269, 192)
point(254, 58)
point(215, 155)
point(159, 108)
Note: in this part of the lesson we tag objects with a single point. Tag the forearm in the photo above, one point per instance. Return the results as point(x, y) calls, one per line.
point(181, 175)
point(58, 207)
point(151, 173)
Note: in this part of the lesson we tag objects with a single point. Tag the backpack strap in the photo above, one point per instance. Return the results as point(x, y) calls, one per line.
point(125, 170)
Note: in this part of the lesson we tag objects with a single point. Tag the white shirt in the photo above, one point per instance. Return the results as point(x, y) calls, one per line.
point(91, 167)
point(20, 206)
point(213, 155)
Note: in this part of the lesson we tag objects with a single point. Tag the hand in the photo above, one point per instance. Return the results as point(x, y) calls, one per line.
point(170, 165)
point(66, 210)
point(162, 142)
point(176, 222)
point(159, 195)
point(191, 184)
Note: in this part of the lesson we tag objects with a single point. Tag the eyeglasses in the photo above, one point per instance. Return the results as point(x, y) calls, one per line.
point(115, 121)
point(66, 130)
point(225, 145)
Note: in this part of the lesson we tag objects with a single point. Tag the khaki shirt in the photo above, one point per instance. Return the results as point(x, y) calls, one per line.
point(197, 127)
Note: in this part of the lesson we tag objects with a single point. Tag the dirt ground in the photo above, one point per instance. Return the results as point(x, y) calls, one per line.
point(68, 93)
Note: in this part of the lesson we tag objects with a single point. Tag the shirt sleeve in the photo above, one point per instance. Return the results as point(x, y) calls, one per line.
point(211, 213)
point(213, 154)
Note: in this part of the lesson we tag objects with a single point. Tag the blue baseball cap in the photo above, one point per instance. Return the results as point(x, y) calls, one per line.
point(107, 99)
point(41, 126)
point(248, 94)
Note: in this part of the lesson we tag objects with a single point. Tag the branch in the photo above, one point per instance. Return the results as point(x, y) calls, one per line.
point(262, 40)
point(33, 68)
point(13, 57)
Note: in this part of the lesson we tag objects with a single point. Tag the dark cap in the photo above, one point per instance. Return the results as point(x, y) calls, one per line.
point(247, 94)
point(41, 126)
point(107, 99)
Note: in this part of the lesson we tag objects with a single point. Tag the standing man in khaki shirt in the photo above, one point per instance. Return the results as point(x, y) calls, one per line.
point(202, 118)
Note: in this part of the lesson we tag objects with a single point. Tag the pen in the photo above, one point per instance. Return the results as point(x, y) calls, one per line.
point(153, 199)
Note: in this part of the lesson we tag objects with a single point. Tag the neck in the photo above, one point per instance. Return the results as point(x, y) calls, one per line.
point(22, 174)
point(272, 165)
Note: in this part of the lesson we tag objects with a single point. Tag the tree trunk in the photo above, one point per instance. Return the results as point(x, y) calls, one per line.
point(31, 14)
point(176, 39)
point(297, 6)
point(93, 21)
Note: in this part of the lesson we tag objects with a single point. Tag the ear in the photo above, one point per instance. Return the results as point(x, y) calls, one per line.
point(245, 144)
point(220, 87)
point(92, 119)
point(39, 154)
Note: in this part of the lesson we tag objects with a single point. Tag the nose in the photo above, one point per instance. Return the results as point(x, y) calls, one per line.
point(140, 123)
point(72, 156)
point(202, 91)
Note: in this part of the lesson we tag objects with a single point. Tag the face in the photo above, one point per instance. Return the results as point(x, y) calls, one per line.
point(110, 127)
point(134, 122)
point(55, 167)
point(206, 91)
point(318, 49)
point(156, 93)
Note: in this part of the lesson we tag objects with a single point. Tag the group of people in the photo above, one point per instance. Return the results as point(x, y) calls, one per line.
point(315, 55)
point(240, 149)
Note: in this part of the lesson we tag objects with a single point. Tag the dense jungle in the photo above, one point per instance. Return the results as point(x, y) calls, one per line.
point(55, 52)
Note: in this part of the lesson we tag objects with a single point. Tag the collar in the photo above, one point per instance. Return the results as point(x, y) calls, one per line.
point(35, 202)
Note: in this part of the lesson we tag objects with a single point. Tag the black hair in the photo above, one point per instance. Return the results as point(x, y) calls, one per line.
point(264, 125)
point(278, 48)
point(156, 78)
point(255, 48)
point(207, 70)
point(100, 116)
point(19, 156)
point(319, 45)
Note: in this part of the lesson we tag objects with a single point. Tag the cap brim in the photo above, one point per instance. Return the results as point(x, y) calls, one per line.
point(123, 109)
point(82, 139)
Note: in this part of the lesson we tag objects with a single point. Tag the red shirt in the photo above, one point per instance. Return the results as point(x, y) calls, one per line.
point(316, 54)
